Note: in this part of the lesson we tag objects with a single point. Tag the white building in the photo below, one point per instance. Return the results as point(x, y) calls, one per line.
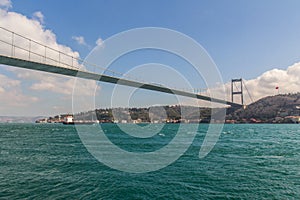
point(69, 119)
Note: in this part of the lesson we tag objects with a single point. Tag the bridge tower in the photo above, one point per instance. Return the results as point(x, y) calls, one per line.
point(237, 89)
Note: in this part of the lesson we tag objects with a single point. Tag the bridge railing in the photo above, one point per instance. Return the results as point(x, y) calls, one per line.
point(18, 46)
point(15, 45)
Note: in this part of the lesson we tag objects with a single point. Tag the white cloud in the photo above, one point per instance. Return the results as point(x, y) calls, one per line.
point(80, 40)
point(38, 16)
point(99, 42)
point(34, 82)
point(287, 80)
point(8, 83)
point(5, 4)
point(12, 94)
point(61, 85)
point(33, 29)
point(58, 84)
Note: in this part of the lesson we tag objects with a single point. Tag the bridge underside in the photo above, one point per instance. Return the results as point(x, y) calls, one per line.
point(103, 78)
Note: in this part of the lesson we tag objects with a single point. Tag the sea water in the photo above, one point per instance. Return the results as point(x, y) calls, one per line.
point(249, 161)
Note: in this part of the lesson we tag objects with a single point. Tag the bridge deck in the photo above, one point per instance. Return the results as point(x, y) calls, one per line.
point(16, 62)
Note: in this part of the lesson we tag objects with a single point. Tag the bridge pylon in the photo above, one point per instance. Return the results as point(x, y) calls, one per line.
point(237, 89)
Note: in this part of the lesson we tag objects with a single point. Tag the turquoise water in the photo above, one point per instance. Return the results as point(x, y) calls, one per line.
point(48, 161)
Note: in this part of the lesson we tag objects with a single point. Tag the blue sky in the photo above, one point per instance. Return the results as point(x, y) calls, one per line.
point(244, 38)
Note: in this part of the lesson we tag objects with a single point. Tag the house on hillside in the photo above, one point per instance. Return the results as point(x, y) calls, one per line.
point(294, 119)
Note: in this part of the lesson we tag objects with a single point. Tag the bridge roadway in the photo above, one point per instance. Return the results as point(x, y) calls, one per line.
point(16, 62)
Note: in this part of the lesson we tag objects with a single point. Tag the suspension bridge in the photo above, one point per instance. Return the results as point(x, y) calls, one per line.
point(17, 50)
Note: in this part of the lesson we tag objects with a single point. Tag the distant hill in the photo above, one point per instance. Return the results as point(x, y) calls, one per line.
point(269, 109)
point(156, 114)
point(272, 109)
point(14, 119)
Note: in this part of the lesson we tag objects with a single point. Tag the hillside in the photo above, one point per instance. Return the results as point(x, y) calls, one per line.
point(158, 113)
point(271, 109)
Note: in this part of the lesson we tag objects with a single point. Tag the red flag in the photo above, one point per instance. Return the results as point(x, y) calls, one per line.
point(277, 88)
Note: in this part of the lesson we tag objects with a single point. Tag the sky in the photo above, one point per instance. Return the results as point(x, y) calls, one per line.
point(254, 40)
